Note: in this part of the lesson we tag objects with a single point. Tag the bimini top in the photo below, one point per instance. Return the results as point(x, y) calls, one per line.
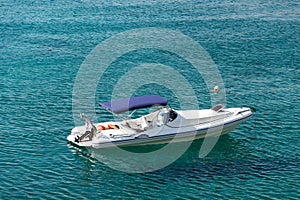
point(133, 103)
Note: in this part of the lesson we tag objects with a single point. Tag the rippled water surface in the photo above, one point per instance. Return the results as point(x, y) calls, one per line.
point(255, 45)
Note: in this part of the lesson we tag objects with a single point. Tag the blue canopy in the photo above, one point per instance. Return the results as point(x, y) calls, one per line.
point(132, 103)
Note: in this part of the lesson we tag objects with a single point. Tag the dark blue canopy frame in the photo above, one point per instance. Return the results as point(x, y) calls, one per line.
point(133, 103)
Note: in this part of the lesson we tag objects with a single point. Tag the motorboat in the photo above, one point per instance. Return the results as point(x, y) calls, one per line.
point(162, 125)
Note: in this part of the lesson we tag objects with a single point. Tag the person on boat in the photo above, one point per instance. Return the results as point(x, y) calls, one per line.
point(216, 89)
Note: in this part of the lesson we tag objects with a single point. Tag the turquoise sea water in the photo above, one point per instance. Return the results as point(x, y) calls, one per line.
point(255, 45)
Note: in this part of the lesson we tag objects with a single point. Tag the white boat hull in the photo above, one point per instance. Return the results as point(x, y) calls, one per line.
point(189, 125)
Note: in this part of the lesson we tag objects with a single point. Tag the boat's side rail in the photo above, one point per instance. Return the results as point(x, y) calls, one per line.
point(182, 122)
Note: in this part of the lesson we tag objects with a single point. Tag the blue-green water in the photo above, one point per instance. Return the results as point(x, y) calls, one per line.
point(255, 45)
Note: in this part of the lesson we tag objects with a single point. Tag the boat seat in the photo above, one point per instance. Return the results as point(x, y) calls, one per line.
point(149, 118)
point(138, 125)
point(162, 118)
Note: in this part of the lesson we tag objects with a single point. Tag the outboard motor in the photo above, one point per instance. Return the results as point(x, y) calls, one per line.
point(90, 132)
